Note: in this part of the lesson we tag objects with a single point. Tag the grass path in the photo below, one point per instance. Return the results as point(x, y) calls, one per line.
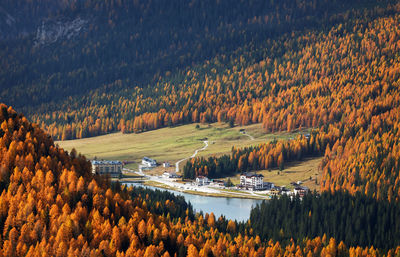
point(250, 136)
point(192, 156)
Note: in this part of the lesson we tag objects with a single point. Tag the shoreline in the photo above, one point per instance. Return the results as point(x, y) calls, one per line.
point(216, 192)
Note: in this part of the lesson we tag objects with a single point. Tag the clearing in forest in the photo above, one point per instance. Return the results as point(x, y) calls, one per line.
point(171, 144)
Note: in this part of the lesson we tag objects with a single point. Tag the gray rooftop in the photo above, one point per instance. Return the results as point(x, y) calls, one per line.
point(96, 162)
point(249, 175)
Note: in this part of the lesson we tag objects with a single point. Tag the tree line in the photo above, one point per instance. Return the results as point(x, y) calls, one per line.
point(265, 156)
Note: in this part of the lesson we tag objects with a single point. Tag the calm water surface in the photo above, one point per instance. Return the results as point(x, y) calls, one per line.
point(232, 208)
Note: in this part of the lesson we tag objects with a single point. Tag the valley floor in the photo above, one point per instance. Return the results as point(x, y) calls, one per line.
point(307, 172)
point(178, 144)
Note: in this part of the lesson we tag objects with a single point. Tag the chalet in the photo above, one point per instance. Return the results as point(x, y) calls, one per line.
point(268, 185)
point(114, 168)
point(301, 190)
point(201, 181)
point(252, 181)
point(275, 192)
point(147, 162)
point(296, 184)
point(285, 191)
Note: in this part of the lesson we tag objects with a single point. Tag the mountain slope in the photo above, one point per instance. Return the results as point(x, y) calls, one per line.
point(121, 45)
point(51, 205)
point(344, 82)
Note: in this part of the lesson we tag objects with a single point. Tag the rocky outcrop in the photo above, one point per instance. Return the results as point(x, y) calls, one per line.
point(51, 31)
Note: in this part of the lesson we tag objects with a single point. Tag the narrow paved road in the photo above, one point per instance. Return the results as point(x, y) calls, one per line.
point(193, 155)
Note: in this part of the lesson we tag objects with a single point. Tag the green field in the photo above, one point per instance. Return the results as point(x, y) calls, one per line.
point(170, 144)
point(173, 144)
point(293, 172)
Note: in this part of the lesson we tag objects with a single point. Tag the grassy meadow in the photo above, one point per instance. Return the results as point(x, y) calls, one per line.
point(173, 144)
point(170, 144)
point(293, 172)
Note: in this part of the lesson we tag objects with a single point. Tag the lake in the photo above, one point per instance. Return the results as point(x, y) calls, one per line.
point(232, 208)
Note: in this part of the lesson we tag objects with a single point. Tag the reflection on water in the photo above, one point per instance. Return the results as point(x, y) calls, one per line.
point(232, 208)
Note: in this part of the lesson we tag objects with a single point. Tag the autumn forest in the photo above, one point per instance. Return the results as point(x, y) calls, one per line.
point(82, 68)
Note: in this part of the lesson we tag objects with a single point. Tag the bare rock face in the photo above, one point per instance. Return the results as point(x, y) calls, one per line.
point(7, 22)
point(17, 21)
point(10, 21)
point(51, 31)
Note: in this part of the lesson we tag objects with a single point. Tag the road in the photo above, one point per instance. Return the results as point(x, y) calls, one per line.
point(192, 188)
point(193, 155)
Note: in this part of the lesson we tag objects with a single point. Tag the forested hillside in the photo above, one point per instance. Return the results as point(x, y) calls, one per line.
point(335, 68)
point(261, 157)
point(355, 220)
point(51, 205)
point(92, 67)
point(81, 68)
point(345, 84)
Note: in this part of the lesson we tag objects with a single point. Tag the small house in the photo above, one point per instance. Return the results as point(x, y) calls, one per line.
point(268, 185)
point(148, 162)
point(201, 181)
point(275, 192)
point(301, 190)
point(285, 191)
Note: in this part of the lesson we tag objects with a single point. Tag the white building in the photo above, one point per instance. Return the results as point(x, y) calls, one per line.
point(114, 168)
point(301, 190)
point(201, 181)
point(252, 181)
point(285, 191)
point(147, 162)
point(166, 164)
point(268, 185)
